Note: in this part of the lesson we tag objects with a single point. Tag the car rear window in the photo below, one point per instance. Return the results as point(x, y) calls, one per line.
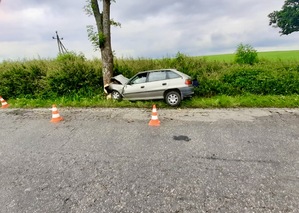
point(172, 75)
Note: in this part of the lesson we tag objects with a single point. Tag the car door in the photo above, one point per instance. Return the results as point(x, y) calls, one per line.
point(156, 84)
point(135, 88)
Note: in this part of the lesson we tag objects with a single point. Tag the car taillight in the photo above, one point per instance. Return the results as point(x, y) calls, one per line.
point(188, 82)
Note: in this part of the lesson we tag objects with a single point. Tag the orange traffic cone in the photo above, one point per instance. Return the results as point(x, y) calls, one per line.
point(55, 115)
point(4, 103)
point(154, 120)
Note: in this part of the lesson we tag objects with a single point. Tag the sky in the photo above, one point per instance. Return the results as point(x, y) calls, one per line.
point(149, 29)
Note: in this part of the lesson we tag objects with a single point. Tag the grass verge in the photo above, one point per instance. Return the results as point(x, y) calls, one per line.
point(223, 101)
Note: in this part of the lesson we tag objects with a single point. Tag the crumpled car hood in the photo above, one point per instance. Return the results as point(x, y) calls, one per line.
point(121, 79)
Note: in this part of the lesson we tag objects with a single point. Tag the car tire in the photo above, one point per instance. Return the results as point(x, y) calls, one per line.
point(173, 98)
point(115, 95)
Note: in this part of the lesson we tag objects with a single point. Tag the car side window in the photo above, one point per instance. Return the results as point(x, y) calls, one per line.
point(157, 76)
point(138, 79)
point(172, 75)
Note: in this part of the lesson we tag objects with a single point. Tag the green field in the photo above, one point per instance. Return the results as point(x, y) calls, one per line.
point(292, 55)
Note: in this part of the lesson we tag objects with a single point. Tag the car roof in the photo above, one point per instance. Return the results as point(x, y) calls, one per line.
point(158, 70)
point(174, 70)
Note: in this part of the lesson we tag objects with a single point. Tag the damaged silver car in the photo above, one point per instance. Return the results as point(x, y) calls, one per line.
point(168, 84)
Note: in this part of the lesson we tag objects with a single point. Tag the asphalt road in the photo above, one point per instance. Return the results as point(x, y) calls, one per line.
point(110, 160)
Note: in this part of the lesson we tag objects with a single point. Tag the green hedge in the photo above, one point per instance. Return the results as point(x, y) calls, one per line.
point(65, 76)
point(22, 80)
point(72, 74)
point(261, 81)
point(74, 77)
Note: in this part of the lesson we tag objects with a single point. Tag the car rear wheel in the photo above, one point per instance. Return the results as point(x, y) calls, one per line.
point(115, 95)
point(173, 98)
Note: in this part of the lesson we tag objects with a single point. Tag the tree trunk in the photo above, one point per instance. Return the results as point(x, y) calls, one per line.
point(106, 50)
point(103, 26)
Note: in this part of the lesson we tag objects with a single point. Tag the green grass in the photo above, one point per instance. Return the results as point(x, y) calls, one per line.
point(260, 101)
point(280, 55)
point(292, 55)
point(223, 101)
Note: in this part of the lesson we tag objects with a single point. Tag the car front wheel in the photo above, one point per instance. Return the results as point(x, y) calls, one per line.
point(173, 98)
point(115, 95)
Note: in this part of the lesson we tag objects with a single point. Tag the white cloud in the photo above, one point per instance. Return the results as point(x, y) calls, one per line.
point(149, 28)
point(24, 50)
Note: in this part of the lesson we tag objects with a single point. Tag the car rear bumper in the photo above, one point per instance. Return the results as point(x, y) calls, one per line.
point(186, 92)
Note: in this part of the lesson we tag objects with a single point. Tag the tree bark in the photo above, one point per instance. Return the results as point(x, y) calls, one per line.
point(104, 26)
point(106, 50)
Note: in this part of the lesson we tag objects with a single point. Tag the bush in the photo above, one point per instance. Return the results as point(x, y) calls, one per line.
point(245, 54)
point(74, 76)
point(22, 80)
point(261, 81)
